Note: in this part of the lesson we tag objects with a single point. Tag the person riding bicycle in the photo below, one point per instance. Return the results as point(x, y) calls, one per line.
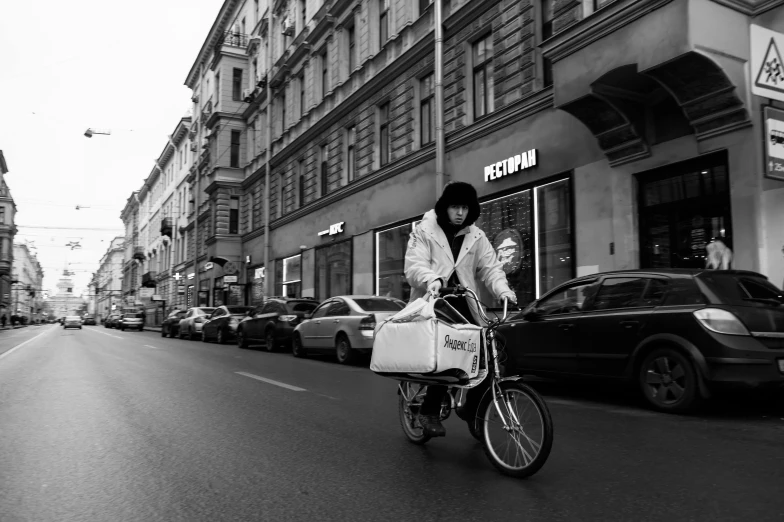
point(446, 249)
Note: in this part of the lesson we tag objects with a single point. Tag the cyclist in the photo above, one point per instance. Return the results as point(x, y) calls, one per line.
point(446, 249)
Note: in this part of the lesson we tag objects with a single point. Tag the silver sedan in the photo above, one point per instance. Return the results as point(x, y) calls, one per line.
point(191, 324)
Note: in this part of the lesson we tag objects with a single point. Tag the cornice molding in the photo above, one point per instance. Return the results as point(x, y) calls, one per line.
point(596, 26)
point(465, 15)
point(750, 8)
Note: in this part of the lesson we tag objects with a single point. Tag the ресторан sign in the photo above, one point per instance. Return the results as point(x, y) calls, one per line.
point(512, 165)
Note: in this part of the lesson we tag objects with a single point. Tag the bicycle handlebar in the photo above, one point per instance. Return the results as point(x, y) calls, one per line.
point(448, 291)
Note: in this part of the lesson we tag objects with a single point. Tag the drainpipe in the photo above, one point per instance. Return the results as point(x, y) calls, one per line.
point(268, 156)
point(439, 79)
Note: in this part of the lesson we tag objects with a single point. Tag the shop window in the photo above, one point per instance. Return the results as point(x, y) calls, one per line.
point(204, 293)
point(217, 292)
point(484, 90)
point(555, 263)
point(683, 208)
point(427, 110)
point(256, 288)
point(288, 276)
point(333, 270)
point(391, 245)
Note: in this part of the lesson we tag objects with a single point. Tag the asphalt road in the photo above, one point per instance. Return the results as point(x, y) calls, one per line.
point(102, 425)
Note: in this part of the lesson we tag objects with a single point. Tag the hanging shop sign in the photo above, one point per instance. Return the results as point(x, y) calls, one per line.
point(146, 293)
point(191, 275)
point(258, 273)
point(180, 289)
point(513, 165)
point(207, 266)
point(508, 245)
point(774, 143)
point(230, 268)
point(229, 279)
point(337, 228)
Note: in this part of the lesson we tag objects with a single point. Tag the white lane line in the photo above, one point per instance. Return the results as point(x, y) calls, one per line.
point(21, 344)
point(148, 346)
point(104, 333)
point(270, 381)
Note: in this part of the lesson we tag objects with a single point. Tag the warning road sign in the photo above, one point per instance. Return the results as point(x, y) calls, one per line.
point(774, 143)
point(767, 67)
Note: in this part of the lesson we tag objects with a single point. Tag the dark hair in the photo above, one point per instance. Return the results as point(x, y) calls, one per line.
point(458, 193)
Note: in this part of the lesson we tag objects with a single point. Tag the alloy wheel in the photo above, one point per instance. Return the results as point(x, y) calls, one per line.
point(666, 379)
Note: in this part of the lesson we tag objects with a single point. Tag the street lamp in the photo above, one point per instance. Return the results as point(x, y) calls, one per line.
point(89, 132)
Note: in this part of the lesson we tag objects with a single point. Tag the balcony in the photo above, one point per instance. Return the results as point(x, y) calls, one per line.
point(167, 224)
point(233, 39)
point(138, 253)
point(148, 279)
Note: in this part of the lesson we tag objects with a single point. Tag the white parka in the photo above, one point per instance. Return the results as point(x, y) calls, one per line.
point(429, 257)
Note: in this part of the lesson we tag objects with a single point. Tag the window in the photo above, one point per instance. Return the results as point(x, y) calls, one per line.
point(350, 159)
point(352, 60)
point(427, 109)
point(391, 245)
point(324, 170)
point(289, 276)
point(333, 270)
point(281, 194)
point(301, 82)
point(256, 11)
point(484, 91)
point(301, 182)
point(322, 310)
point(547, 32)
point(283, 111)
point(383, 22)
point(234, 215)
point(567, 300)
point(339, 308)
point(217, 89)
point(423, 5)
point(2, 215)
point(303, 11)
point(236, 85)
point(620, 292)
point(553, 234)
point(384, 138)
point(324, 73)
point(235, 149)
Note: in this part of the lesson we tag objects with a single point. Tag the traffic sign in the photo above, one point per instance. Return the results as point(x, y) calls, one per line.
point(767, 68)
point(774, 143)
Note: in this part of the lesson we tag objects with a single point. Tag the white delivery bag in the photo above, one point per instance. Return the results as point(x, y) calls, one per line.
point(414, 341)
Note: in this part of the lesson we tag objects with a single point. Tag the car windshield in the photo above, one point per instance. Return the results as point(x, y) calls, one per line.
point(379, 304)
point(301, 306)
point(239, 310)
point(741, 288)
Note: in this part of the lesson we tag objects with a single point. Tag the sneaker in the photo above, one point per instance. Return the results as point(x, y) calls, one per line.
point(431, 425)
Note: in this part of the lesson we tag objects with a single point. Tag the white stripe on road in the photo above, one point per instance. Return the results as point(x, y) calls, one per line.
point(270, 381)
point(148, 346)
point(21, 344)
point(104, 333)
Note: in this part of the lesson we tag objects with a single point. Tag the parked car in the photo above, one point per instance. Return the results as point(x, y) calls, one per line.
point(171, 325)
point(222, 324)
point(190, 325)
point(134, 321)
point(344, 325)
point(89, 320)
point(679, 333)
point(72, 321)
point(273, 322)
point(112, 320)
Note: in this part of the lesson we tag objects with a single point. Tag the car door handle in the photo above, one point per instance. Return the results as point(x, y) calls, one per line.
point(565, 327)
point(630, 324)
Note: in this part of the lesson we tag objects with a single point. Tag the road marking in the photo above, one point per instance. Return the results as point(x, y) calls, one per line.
point(270, 381)
point(104, 333)
point(22, 344)
point(148, 346)
point(328, 397)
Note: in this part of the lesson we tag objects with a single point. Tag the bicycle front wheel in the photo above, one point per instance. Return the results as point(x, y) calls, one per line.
point(518, 439)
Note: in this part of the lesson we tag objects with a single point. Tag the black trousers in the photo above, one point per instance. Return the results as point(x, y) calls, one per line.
point(434, 395)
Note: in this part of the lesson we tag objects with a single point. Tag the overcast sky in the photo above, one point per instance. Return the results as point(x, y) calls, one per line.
point(67, 66)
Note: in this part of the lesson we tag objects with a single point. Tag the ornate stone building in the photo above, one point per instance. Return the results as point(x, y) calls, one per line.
point(7, 233)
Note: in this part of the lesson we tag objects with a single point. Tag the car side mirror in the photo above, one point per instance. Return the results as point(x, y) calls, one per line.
point(308, 315)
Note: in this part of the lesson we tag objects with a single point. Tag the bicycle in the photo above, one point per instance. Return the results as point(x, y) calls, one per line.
point(530, 454)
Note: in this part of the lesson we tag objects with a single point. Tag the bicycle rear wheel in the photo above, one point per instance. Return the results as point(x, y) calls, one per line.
point(520, 449)
point(410, 400)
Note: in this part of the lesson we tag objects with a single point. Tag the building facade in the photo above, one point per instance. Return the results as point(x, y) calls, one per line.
point(155, 220)
point(27, 284)
point(7, 234)
point(106, 283)
point(600, 135)
point(65, 302)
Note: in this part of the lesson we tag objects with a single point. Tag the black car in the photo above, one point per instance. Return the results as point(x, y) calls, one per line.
point(222, 323)
point(89, 321)
point(679, 333)
point(273, 323)
point(171, 325)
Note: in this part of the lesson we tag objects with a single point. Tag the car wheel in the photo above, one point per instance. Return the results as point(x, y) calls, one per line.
point(242, 342)
point(163, 332)
point(669, 382)
point(204, 337)
point(269, 340)
point(297, 350)
point(220, 339)
point(191, 337)
point(343, 351)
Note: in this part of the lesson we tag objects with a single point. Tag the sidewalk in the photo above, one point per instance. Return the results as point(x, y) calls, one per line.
point(9, 327)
